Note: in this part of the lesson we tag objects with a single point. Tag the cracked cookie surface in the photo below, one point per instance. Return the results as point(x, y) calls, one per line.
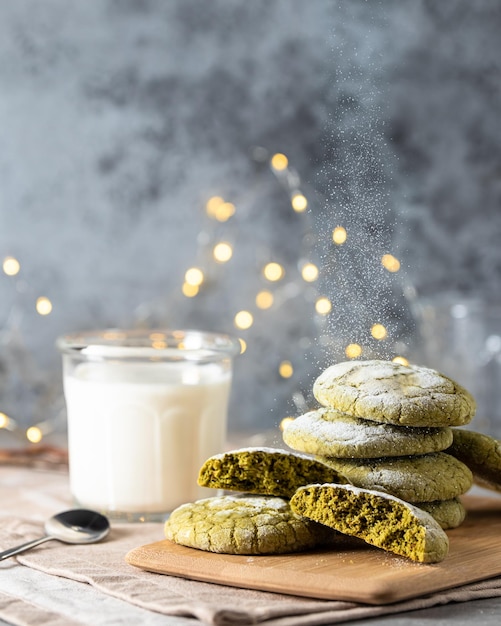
point(241, 524)
point(379, 519)
point(437, 476)
point(265, 471)
point(384, 391)
point(327, 432)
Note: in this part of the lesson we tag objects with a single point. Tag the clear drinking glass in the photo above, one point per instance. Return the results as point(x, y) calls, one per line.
point(145, 409)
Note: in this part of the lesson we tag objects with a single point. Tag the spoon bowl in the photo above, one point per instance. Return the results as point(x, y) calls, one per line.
point(73, 526)
point(78, 526)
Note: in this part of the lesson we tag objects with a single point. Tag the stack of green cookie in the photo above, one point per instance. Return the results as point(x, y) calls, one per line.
point(385, 426)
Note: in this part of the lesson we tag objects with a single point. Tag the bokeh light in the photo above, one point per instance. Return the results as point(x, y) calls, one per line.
point(243, 320)
point(353, 350)
point(43, 305)
point(11, 266)
point(299, 202)
point(339, 235)
point(264, 299)
point(390, 263)
point(279, 162)
point(285, 369)
point(273, 271)
point(378, 331)
point(323, 306)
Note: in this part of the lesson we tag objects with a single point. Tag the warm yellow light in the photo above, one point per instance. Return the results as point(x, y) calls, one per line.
point(299, 202)
point(243, 345)
point(309, 272)
point(34, 434)
point(273, 271)
point(222, 252)
point(43, 306)
point(194, 276)
point(400, 359)
point(190, 291)
point(285, 422)
point(279, 162)
point(264, 299)
point(285, 369)
point(159, 345)
point(224, 211)
point(4, 420)
point(389, 262)
point(378, 331)
point(323, 306)
point(243, 320)
point(353, 350)
point(11, 266)
point(339, 235)
point(212, 205)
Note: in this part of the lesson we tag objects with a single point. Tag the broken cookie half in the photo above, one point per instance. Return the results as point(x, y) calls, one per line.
point(379, 519)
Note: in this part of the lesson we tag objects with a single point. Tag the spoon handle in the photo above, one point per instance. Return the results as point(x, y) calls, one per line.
point(25, 546)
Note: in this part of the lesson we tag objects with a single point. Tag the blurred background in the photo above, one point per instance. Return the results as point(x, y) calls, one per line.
point(321, 179)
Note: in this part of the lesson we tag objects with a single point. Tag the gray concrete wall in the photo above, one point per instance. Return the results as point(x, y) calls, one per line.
point(120, 118)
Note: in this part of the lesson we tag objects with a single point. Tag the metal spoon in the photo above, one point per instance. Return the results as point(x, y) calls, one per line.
point(74, 526)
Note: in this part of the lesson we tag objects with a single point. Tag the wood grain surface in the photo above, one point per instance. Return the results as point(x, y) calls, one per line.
point(355, 572)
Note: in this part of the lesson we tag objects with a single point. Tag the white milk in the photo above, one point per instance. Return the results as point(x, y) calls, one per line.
point(139, 433)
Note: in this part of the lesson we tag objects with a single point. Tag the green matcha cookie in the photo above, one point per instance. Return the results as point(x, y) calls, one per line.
point(384, 391)
point(379, 519)
point(481, 453)
point(265, 471)
point(241, 524)
point(448, 513)
point(437, 476)
point(328, 432)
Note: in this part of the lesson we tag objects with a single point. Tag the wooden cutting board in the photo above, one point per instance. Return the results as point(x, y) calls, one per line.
point(358, 573)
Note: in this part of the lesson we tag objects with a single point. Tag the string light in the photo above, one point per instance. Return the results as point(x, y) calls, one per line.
point(285, 369)
point(43, 305)
point(353, 350)
point(225, 211)
point(299, 202)
point(309, 272)
point(11, 266)
point(212, 206)
point(222, 252)
point(285, 422)
point(279, 162)
point(339, 235)
point(194, 276)
point(273, 272)
point(390, 263)
point(219, 210)
point(323, 306)
point(378, 331)
point(6, 422)
point(34, 434)
point(159, 345)
point(243, 320)
point(400, 359)
point(264, 299)
point(190, 291)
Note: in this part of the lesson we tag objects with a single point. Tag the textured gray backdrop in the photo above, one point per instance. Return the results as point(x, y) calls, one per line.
point(120, 118)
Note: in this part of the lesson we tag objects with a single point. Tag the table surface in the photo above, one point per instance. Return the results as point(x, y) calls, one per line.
point(39, 501)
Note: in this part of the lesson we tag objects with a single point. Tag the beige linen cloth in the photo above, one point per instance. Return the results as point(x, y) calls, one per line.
point(29, 496)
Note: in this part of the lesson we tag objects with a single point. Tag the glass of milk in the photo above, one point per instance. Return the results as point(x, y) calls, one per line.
point(145, 409)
